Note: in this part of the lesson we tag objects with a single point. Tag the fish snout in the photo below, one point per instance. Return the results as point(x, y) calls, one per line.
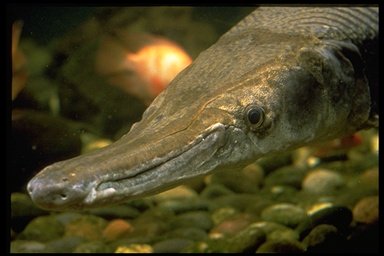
point(55, 195)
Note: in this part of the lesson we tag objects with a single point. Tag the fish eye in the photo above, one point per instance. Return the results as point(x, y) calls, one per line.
point(255, 115)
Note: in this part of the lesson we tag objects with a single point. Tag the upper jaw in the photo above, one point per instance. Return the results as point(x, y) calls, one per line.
point(158, 174)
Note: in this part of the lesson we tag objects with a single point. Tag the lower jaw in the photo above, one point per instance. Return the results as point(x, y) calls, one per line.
point(169, 174)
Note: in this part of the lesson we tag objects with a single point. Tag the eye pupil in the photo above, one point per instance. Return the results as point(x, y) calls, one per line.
point(255, 115)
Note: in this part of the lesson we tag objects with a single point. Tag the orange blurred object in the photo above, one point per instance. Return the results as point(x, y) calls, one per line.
point(142, 64)
point(338, 145)
point(19, 72)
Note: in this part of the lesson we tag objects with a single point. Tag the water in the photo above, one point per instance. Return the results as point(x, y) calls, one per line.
point(66, 108)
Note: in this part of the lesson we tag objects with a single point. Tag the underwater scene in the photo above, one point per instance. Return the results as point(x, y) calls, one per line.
point(129, 136)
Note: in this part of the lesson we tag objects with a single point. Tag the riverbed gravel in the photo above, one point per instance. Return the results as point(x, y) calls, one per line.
point(331, 206)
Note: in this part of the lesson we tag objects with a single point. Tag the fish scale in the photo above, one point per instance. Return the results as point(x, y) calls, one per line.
point(356, 24)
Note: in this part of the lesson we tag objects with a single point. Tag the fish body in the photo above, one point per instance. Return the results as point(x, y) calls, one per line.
point(282, 78)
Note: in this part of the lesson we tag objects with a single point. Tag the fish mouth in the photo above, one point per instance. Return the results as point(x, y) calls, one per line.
point(161, 173)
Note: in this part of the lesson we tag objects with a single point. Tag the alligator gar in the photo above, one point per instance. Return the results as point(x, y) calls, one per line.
point(283, 77)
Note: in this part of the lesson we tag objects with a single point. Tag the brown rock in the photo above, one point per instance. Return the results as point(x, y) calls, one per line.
point(116, 229)
point(88, 226)
point(322, 182)
point(367, 210)
point(371, 177)
point(231, 225)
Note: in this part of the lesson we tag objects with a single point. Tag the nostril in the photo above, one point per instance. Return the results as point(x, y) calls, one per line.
point(63, 196)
